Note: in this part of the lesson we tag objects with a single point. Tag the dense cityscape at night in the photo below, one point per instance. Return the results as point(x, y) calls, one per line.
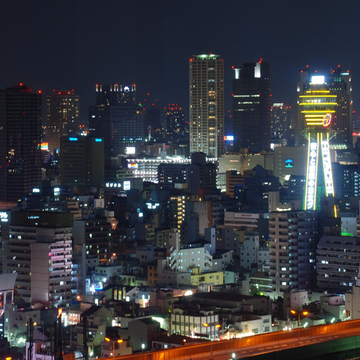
point(179, 180)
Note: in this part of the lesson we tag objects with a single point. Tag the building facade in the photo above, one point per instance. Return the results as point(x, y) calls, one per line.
point(38, 248)
point(62, 117)
point(82, 161)
point(117, 118)
point(20, 138)
point(252, 107)
point(207, 104)
point(292, 249)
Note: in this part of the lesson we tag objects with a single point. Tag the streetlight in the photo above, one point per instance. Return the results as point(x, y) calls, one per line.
point(233, 355)
point(299, 313)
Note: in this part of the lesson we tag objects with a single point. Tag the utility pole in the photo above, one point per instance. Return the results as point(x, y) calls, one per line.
point(85, 347)
point(30, 339)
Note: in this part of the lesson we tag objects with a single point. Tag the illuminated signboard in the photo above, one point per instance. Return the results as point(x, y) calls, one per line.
point(133, 165)
point(311, 176)
point(113, 185)
point(229, 138)
point(127, 185)
point(130, 150)
point(98, 140)
point(4, 216)
point(35, 190)
point(73, 139)
point(289, 163)
point(318, 79)
point(45, 146)
point(329, 186)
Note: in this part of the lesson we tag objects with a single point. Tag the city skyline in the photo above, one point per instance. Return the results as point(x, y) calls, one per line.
point(150, 44)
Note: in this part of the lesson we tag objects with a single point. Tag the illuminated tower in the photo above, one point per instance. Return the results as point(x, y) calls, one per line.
point(207, 104)
point(338, 83)
point(317, 107)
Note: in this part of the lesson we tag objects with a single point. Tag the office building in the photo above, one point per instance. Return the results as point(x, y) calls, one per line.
point(62, 117)
point(207, 104)
point(82, 161)
point(252, 107)
point(117, 118)
point(292, 249)
point(38, 247)
point(20, 138)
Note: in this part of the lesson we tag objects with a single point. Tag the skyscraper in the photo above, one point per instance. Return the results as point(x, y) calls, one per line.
point(82, 161)
point(251, 107)
point(175, 125)
point(207, 104)
point(338, 82)
point(62, 117)
point(117, 118)
point(20, 137)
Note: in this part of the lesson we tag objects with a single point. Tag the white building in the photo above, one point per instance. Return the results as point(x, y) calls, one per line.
point(39, 249)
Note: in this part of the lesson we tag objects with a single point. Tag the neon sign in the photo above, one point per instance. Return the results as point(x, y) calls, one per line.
point(326, 120)
point(329, 186)
point(311, 176)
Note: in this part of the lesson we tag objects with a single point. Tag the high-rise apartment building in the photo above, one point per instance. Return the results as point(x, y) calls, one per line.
point(20, 138)
point(292, 249)
point(206, 81)
point(252, 107)
point(62, 117)
point(337, 82)
point(280, 123)
point(117, 118)
point(38, 247)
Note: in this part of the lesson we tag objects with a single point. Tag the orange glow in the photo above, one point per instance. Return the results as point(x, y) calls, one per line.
point(107, 339)
point(39, 91)
point(120, 341)
point(305, 313)
point(205, 324)
point(293, 312)
point(218, 326)
point(59, 312)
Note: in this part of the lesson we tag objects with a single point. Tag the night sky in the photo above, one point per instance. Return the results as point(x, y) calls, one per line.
point(76, 44)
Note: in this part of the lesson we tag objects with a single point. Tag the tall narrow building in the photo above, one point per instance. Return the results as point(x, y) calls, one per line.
point(206, 82)
point(252, 107)
point(62, 117)
point(20, 138)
